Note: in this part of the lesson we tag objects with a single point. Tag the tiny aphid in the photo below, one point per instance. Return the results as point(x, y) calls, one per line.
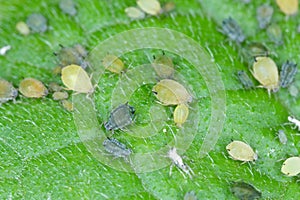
point(120, 117)
point(7, 91)
point(231, 28)
point(264, 15)
point(294, 121)
point(60, 96)
point(76, 79)
point(245, 191)
point(298, 28)
point(168, 7)
point(239, 150)
point(181, 114)
point(68, 105)
point(32, 88)
point(287, 73)
point(4, 50)
point(266, 72)
point(177, 160)
point(255, 49)
point(163, 66)
point(22, 28)
point(151, 7)
point(116, 148)
point(244, 79)
point(282, 137)
point(57, 70)
point(293, 90)
point(288, 7)
point(54, 87)
point(170, 92)
point(275, 34)
point(113, 64)
point(68, 7)
point(37, 23)
point(190, 196)
point(134, 13)
point(72, 55)
point(291, 166)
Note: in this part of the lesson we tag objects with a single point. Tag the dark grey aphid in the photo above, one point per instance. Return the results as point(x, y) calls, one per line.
point(116, 148)
point(244, 79)
point(264, 15)
point(245, 191)
point(37, 23)
point(231, 28)
point(120, 117)
point(287, 73)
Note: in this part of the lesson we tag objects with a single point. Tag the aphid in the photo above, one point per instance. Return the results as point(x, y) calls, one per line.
point(264, 15)
point(22, 28)
point(275, 34)
point(116, 148)
point(68, 7)
point(32, 88)
point(288, 7)
point(54, 87)
point(169, 7)
point(57, 70)
point(239, 150)
point(181, 114)
point(245, 191)
point(134, 13)
point(291, 166)
point(287, 73)
point(190, 196)
point(266, 72)
point(4, 50)
point(37, 23)
point(294, 121)
point(72, 55)
point(293, 90)
point(282, 137)
point(7, 91)
point(67, 105)
point(76, 79)
point(120, 117)
point(244, 79)
point(113, 63)
point(170, 92)
point(163, 66)
point(60, 95)
point(232, 30)
point(298, 28)
point(177, 160)
point(151, 7)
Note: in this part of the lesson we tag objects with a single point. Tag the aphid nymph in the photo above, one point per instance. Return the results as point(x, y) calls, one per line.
point(163, 66)
point(288, 7)
point(134, 13)
point(245, 191)
point(113, 63)
point(120, 117)
point(190, 196)
point(181, 114)
point(294, 121)
point(32, 88)
point(7, 91)
point(68, 7)
point(287, 73)
point(291, 166)
point(264, 15)
point(231, 28)
point(177, 160)
point(72, 55)
point(241, 151)
point(116, 148)
point(245, 80)
point(151, 7)
point(37, 23)
point(275, 34)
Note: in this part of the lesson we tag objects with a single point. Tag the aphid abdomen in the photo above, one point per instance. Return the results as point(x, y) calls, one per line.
point(287, 73)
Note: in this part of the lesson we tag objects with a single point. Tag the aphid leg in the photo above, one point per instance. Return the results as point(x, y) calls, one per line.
point(171, 168)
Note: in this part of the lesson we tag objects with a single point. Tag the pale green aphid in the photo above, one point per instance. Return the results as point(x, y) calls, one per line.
point(22, 28)
point(163, 66)
point(264, 15)
point(68, 105)
point(68, 7)
point(181, 114)
point(32, 88)
point(245, 80)
point(7, 91)
point(134, 13)
point(287, 73)
point(170, 92)
point(241, 151)
point(266, 72)
point(113, 63)
point(274, 32)
point(291, 166)
point(282, 137)
point(116, 148)
point(37, 23)
point(60, 96)
point(245, 191)
point(151, 7)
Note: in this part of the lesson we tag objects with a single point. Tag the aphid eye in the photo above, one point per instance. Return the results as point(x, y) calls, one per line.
point(154, 92)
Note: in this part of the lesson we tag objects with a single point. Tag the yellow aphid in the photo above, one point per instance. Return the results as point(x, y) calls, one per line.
point(181, 114)
point(241, 151)
point(76, 79)
point(134, 13)
point(163, 66)
point(57, 70)
point(151, 7)
point(291, 166)
point(32, 88)
point(266, 72)
point(22, 28)
point(170, 92)
point(54, 87)
point(60, 95)
point(113, 63)
point(288, 7)
point(67, 105)
point(7, 91)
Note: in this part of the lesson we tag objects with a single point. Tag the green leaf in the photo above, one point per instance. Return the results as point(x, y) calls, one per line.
point(42, 154)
